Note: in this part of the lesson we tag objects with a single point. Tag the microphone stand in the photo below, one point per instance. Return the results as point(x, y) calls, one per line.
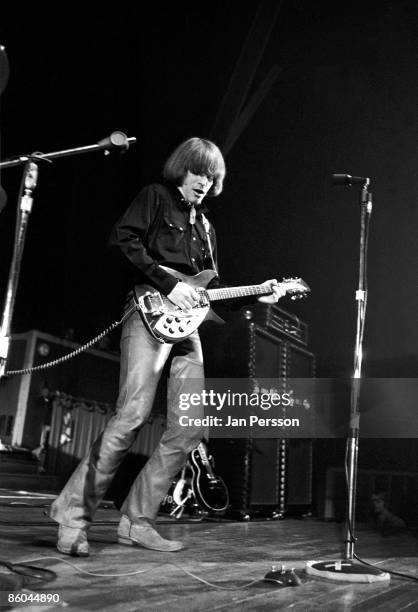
point(29, 182)
point(117, 140)
point(353, 438)
point(347, 569)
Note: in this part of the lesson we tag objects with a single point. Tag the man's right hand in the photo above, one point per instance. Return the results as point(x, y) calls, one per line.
point(183, 296)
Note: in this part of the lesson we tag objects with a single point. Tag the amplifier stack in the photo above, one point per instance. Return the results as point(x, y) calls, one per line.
point(264, 476)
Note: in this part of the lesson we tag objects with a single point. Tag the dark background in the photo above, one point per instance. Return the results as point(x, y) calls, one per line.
point(345, 101)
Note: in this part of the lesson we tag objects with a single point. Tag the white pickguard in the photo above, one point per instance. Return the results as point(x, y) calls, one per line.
point(180, 324)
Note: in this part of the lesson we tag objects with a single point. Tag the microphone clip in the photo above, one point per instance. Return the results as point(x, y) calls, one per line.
point(347, 180)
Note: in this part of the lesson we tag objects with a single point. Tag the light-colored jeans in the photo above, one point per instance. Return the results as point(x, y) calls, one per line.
point(142, 361)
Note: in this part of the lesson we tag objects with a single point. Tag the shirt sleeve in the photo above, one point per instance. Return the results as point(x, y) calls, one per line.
point(129, 235)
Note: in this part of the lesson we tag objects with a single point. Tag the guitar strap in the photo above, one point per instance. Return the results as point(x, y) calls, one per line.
point(206, 225)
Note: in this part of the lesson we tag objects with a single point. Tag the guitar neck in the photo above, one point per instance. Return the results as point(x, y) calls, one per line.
point(227, 293)
point(203, 456)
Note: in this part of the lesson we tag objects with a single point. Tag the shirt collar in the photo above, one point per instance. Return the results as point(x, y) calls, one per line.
point(181, 202)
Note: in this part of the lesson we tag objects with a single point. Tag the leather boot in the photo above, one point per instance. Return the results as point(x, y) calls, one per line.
point(72, 541)
point(142, 533)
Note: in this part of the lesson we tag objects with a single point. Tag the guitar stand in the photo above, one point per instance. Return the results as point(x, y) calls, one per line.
point(179, 509)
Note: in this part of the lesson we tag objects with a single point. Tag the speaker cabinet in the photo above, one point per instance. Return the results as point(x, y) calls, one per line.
point(263, 475)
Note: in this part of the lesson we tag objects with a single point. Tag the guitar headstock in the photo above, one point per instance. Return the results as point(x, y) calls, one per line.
point(296, 288)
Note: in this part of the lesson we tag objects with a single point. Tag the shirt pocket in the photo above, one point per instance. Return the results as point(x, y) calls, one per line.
point(173, 233)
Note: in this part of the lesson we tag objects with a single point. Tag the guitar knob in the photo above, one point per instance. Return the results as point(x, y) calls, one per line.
point(169, 319)
point(171, 330)
point(181, 329)
point(177, 320)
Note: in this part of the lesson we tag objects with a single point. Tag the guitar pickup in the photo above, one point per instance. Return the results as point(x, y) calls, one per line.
point(203, 298)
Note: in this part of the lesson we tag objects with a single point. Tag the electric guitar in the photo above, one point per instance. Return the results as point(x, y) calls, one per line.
point(166, 322)
point(209, 489)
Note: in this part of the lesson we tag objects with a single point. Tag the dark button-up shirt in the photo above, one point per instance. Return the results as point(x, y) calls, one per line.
point(155, 230)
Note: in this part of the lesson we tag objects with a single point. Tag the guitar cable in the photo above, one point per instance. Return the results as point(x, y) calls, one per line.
point(73, 354)
point(179, 567)
point(136, 572)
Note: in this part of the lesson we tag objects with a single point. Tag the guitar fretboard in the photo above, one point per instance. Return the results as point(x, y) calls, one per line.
point(228, 293)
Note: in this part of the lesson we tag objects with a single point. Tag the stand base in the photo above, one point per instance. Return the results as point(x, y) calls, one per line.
point(345, 571)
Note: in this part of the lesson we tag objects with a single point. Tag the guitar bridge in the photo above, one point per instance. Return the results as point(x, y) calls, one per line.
point(152, 303)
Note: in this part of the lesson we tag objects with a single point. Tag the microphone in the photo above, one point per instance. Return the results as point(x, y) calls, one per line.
point(116, 140)
point(347, 180)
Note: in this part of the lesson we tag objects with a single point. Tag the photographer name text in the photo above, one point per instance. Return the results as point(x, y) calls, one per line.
point(251, 421)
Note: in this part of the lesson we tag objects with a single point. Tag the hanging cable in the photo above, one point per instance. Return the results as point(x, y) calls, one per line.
point(73, 354)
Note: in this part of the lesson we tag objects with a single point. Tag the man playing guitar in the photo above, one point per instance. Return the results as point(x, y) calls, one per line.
point(165, 226)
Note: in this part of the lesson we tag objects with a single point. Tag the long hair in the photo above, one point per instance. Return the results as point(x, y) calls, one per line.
point(198, 156)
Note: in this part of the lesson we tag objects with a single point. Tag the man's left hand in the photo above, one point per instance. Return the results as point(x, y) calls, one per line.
point(278, 292)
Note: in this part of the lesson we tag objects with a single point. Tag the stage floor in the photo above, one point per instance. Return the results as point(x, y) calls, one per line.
point(227, 554)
